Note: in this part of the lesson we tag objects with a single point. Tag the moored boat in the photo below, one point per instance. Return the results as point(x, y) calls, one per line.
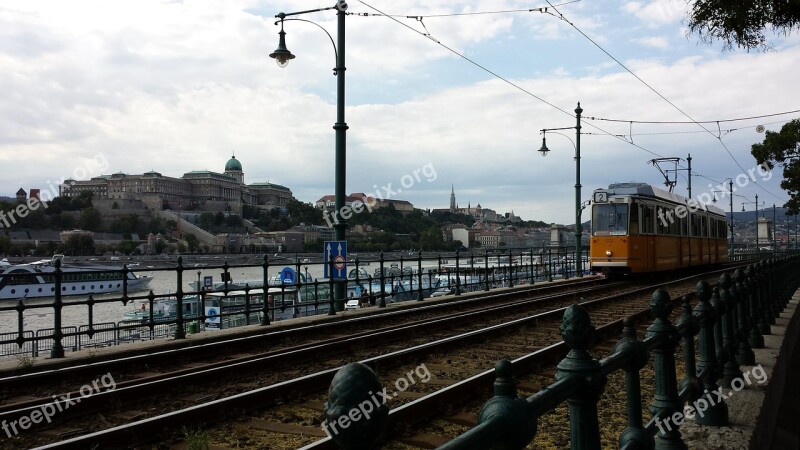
point(38, 279)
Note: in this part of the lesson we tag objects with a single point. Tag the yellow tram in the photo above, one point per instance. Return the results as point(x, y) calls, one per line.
point(638, 228)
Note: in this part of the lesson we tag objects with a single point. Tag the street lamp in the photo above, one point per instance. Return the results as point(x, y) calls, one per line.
point(544, 150)
point(758, 249)
point(730, 224)
point(774, 235)
point(282, 56)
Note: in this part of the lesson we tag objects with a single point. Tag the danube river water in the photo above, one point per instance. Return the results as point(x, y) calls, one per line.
point(39, 314)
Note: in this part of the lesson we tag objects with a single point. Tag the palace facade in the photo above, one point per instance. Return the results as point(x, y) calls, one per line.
point(199, 190)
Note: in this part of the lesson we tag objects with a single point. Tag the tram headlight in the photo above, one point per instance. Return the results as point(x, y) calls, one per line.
point(608, 253)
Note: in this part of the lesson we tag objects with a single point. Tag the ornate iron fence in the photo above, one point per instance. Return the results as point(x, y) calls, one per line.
point(262, 301)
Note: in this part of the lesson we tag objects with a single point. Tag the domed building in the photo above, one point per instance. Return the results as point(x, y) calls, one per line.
point(233, 168)
point(198, 190)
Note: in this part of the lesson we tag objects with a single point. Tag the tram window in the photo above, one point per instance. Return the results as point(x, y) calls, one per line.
point(673, 224)
point(662, 220)
point(647, 220)
point(610, 219)
point(634, 228)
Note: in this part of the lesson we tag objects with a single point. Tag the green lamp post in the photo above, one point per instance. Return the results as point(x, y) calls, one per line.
point(282, 56)
point(544, 151)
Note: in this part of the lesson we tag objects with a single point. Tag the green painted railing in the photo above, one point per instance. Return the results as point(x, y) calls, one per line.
point(729, 320)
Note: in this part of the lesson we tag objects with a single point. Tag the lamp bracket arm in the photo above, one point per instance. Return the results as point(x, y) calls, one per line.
point(333, 43)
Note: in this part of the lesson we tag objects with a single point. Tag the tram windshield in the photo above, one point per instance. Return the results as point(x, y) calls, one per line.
point(610, 219)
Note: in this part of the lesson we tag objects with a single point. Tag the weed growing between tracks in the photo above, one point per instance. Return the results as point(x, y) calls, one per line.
point(25, 363)
point(196, 438)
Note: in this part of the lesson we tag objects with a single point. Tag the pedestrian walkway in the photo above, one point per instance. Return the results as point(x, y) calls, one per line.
point(751, 407)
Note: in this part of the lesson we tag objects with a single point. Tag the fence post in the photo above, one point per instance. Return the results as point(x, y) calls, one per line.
point(510, 269)
point(745, 356)
point(458, 276)
point(180, 333)
point(511, 410)
point(666, 405)
point(634, 435)
point(762, 309)
point(688, 326)
point(382, 302)
point(265, 300)
point(773, 308)
point(419, 276)
point(57, 351)
point(578, 332)
point(486, 269)
point(751, 289)
point(353, 388)
point(708, 365)
point(731, 369)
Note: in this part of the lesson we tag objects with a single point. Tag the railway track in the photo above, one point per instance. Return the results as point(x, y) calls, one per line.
point(240, 376)
point(253, 341)
point(299, 397)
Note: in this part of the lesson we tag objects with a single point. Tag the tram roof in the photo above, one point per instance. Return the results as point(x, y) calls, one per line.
point(646, 190)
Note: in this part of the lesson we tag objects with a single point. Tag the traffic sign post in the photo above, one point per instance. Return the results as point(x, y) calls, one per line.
point(288, 275)
point(334, 253)
point(335, 257)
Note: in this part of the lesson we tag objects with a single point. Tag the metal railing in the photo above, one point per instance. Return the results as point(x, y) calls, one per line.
point(729, 320)
point(407, 277)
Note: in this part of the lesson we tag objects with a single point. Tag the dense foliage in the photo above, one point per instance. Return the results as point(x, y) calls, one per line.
point(782, 149)
point(742, 23)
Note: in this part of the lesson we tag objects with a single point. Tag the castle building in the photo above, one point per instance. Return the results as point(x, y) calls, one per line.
point(202, 190)
point(478, 213)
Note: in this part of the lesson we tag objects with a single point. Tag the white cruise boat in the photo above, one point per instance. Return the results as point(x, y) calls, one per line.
point(37, 279)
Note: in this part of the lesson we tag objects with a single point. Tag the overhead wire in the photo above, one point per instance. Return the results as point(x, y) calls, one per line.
point(428, 35)
point(498, 76)
point(719, 137)
point(695, 122)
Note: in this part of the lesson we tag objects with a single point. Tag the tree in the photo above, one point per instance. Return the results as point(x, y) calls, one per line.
point(304, 213)
point(742, 23)
point(90, 219)
point(128, 223)
point(79, 245)
point(205, 221)
point(192, 242)
point(126, 247)
point(782, 149)
point(84, 200)
point(5, 245)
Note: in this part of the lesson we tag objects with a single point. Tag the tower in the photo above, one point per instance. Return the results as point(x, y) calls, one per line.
point(234, 168)
point(452, 199)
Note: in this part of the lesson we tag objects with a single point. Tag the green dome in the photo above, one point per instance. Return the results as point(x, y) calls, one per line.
point(233, 164)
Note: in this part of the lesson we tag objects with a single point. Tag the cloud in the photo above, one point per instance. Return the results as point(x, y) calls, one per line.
point(657, 12)
point(658, 42)
point(176, 87)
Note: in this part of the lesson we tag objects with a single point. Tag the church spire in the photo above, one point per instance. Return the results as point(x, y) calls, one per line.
point(452, 199)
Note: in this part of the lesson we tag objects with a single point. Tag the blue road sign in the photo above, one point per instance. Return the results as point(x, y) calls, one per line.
point(335, 256)
point(208, 282)
point(287, 275)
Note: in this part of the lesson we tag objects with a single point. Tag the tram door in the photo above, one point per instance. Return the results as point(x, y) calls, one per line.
point(648, 235)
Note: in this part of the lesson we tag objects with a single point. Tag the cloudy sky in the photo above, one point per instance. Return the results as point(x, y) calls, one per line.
point(456, 96)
